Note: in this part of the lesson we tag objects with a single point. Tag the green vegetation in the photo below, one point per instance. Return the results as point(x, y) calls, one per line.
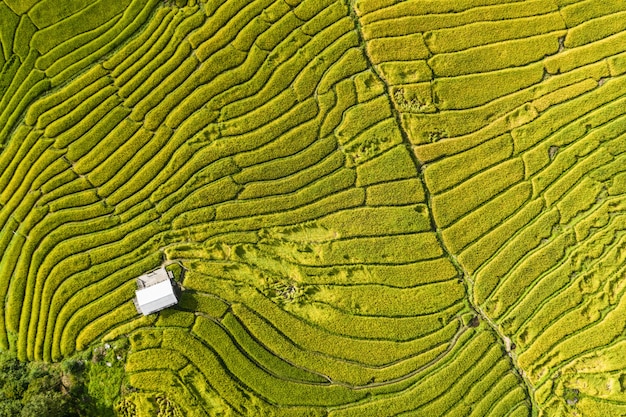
point(371, 208)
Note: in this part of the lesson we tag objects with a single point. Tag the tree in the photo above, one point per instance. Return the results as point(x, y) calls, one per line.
point(48, 403)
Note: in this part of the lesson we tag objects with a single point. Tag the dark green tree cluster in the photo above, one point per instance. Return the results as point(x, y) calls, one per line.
point(37, 389)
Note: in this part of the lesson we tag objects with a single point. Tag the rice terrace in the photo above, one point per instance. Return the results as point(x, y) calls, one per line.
point(336, 208)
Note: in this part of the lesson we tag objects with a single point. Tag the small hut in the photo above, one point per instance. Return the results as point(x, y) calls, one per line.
point(155, 292)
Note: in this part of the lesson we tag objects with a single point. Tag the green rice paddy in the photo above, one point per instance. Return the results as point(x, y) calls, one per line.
point(380, 207)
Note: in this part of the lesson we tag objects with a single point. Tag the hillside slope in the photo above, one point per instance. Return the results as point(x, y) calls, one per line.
point(381, 207)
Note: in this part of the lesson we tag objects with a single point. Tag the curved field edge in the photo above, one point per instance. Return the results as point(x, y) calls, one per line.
point(374, 215)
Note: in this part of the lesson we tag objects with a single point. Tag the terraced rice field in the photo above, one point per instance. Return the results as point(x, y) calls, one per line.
point(382, 208)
